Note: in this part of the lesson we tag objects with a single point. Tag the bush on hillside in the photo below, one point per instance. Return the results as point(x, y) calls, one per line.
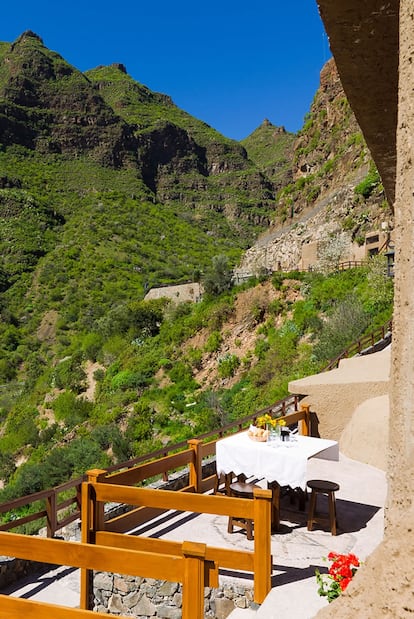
point(69, 374)
point(346, 324)
point(218, 278)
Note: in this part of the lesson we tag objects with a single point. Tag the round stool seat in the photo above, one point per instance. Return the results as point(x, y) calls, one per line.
point(242, 489)
point(322, 485)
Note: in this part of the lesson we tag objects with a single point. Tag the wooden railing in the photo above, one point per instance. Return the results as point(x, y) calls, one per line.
point(194, 564)
point(55, 513)
point(350, 264)
point(341, 266)
point(101, 489)
point(364, 342)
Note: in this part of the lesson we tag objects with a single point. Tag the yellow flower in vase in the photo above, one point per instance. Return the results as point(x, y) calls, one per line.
point(264, 420)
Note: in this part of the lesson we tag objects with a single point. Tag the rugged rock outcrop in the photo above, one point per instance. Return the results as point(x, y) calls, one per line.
point(325, 198)
point(48, 105)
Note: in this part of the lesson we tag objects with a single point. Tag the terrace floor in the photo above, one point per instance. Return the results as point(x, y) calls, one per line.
point(296, 551)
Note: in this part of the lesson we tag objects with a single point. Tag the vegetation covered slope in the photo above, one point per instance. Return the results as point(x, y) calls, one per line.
point(272, 149)
point(107, 189)
point(151, 373)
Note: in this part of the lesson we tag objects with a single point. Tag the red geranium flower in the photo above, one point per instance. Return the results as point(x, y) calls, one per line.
point(340, 575)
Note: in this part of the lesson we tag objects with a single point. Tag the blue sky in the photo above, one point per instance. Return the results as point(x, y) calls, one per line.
point(229, 63)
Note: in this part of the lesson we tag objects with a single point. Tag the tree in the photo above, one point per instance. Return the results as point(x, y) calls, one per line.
point(219, 276)
point(331, 248)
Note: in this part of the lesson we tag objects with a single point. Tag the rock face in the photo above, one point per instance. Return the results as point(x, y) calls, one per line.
point(184, 161)
point(47, 105)
point(330, 160)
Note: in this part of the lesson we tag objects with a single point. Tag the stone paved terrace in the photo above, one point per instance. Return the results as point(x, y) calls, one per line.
point(296, 551)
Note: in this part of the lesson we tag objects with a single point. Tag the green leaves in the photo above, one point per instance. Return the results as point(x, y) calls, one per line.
point(218, 277)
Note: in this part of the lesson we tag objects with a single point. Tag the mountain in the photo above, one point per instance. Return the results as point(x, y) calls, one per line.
point(271, 148)
point(108, 189)
point(99, 175)
point(334, 188)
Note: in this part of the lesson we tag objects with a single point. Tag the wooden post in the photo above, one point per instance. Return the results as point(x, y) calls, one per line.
point(196, 465)
point(51, 516)
point(92, 519)
point(193, 584)
point(262, 551)
point(305, 408)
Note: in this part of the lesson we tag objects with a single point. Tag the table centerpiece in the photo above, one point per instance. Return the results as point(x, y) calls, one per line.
point(266, 428)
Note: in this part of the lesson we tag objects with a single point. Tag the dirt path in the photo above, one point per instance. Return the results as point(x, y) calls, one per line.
point(90, 370)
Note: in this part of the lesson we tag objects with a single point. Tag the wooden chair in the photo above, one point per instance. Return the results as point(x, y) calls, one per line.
point(222, 482)
point(242, 490)
point(328, 488)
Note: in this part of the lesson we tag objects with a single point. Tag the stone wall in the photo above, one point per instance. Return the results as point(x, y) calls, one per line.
point(180, 293)
point(146, 597)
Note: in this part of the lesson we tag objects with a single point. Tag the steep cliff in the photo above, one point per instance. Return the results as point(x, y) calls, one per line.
point(335, 188)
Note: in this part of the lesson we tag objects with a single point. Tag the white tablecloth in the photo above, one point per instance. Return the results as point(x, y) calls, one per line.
point(284, 462)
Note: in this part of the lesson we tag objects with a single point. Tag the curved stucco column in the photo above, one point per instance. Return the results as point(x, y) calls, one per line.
point(383, 587)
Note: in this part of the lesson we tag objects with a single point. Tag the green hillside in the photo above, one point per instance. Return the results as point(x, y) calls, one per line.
point(106, 190)
point(272, 150)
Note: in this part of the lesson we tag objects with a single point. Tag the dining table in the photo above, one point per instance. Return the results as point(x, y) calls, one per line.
point(282, 463)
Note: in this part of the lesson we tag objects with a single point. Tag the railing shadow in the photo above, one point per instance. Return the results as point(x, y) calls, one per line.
point(186, 517)
point(288, 574)
point(42, 579)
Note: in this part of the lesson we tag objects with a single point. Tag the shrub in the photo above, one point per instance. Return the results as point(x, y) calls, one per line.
point(380, 288)
point(219, 276)
point(347, 322)
point(127, 379)
point(261, 347)
point(228, 365)
point(91, 345)
point(305, 316)
point(214, 342)
point(219, 314)
point(277, 280)
point(69, 374)
point(70, 409)
point(182, 374)
point(369, 184)
point(331, 248)
point(112, 348)
point(195, 357)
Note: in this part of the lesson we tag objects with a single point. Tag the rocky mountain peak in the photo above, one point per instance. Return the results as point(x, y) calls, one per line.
point(27, 34)
point(329, 160)
point(121, 67)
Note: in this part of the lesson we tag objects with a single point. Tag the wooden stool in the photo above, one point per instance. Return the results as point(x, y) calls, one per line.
point(242, 490)
point(320, 486)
